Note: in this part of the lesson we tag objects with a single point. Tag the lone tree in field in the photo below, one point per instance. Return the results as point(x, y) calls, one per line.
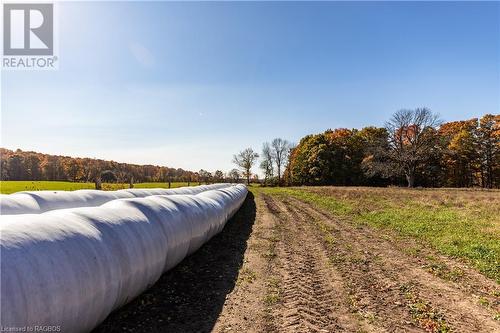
point(411, 139)
point(280, 150)
point(245, 159)
point(266, 164)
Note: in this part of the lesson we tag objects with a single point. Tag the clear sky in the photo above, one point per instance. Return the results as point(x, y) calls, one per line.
point(189, 84)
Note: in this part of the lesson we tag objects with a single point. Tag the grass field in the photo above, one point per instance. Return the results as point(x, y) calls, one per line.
point(456, 222)
point(8, 187)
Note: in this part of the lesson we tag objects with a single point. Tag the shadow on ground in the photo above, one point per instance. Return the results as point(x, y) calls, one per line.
point(190, 297)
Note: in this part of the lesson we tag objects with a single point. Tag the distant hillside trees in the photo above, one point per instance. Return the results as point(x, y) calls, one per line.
point(233, 176)
point(413, 149)
point(204, 176)
point(218, 176)
point(27, 165)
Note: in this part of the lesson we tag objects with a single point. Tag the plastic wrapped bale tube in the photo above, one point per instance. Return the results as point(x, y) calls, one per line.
point(72, 267)
point(36, 202)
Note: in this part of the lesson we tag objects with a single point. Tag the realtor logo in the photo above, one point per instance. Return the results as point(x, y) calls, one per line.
point(28, 29)
point(28, 36)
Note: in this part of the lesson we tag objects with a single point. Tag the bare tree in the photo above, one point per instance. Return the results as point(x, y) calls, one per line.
point(411, 138)
point(266, 165)
point(245, 159)
point(280, 150)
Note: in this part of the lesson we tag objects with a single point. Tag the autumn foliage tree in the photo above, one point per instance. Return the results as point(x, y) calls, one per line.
point(459, 155)
point(330, 158)
point(488, 135)
point(471, 152)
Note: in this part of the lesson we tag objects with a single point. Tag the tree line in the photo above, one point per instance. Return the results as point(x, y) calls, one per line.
point(414, 148)
point(29, 165)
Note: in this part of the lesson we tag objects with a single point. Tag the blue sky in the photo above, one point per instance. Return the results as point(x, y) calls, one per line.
point(189, 84)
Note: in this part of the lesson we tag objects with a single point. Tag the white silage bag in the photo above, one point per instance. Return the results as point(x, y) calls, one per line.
point(72, 267)
point(35, 202)
point(17, 203)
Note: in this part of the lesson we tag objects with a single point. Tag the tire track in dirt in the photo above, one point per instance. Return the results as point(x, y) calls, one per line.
point(386, 280)
point(306, 293)
point(313, 298)
point(244, 310)
point(458, 271)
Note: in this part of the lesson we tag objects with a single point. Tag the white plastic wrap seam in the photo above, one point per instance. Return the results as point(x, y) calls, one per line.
point(36, 202)
point(72, 267)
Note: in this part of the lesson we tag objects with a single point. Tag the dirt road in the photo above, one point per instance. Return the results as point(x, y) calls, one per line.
point(282, 265)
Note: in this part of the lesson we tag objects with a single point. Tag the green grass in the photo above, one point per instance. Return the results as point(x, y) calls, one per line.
point(459, 223)
point(7, 187)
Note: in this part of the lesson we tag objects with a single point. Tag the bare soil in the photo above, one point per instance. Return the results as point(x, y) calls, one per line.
point(282, 265)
